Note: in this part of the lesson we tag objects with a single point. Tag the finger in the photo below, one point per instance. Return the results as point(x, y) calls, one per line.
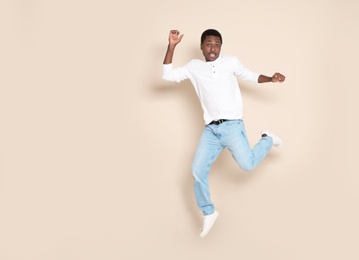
point(282, 78)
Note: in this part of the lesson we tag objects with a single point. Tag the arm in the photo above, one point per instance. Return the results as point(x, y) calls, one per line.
point(173, 39)
point(168, 73)
point(277, 77)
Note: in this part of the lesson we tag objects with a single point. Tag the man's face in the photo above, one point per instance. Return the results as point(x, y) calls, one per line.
point(211, 47)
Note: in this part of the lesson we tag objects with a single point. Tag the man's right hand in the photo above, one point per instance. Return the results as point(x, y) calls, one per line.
point(175, 37)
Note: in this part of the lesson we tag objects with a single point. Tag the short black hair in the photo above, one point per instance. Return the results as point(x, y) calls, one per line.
point(210, 32)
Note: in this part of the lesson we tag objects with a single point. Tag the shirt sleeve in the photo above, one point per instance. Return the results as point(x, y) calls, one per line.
point(244, 73)
point(177, 74)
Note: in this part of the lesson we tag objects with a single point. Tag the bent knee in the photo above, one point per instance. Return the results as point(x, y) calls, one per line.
point(247, 166)
point(198, 174)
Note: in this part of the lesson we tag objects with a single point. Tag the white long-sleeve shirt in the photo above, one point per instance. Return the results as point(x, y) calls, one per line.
point(216, 85)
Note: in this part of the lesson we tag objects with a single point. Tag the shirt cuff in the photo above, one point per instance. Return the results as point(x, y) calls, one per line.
point(167, 71)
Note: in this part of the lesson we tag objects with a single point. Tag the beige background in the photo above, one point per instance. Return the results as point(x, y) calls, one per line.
point(95, 148)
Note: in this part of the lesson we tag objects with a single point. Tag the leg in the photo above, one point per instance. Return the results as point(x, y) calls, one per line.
point(207, 152)
point(235, 139)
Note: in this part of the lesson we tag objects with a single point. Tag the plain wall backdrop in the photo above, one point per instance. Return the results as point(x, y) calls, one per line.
point(96, 149)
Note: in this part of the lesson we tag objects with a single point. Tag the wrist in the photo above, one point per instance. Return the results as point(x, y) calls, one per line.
point(172, 45)
point(264, 79)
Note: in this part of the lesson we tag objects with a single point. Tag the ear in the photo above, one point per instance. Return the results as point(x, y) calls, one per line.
point(201, 45)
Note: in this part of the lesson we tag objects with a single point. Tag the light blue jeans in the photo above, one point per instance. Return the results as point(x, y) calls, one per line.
point(231, 135)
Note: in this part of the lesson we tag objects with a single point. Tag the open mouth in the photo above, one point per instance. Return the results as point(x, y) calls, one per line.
point(212, 55)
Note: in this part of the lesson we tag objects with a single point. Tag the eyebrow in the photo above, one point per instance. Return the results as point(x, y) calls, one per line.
point(212, 41)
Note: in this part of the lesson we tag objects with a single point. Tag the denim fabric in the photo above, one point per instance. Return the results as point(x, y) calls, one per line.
point(231, 135)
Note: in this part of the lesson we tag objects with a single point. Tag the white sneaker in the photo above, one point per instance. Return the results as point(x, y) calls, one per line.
point(208, 222)
point(277, 142)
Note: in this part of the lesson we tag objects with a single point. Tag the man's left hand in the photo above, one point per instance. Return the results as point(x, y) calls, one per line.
point(277, 77)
